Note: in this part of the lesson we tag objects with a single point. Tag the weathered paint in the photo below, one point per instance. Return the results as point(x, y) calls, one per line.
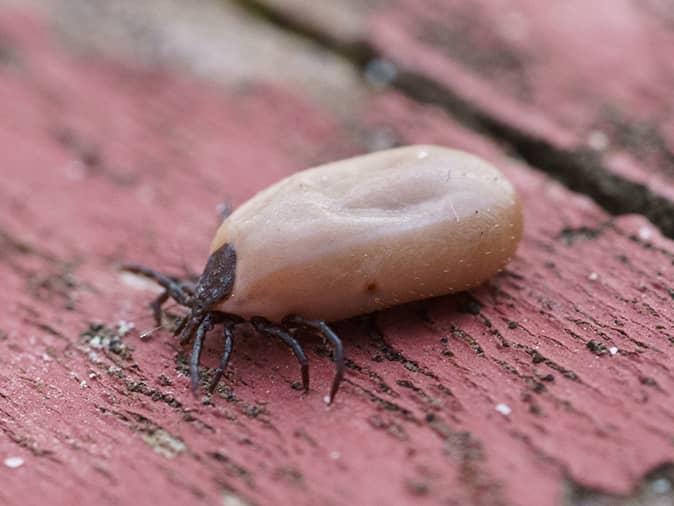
point(417, 419)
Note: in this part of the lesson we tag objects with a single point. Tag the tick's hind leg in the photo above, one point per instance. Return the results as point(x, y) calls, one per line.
point(294, 321)
point(268, 328)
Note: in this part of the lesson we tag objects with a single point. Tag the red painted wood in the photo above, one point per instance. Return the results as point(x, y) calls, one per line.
point(573, 75)
point(598, 77)
point(102, 163)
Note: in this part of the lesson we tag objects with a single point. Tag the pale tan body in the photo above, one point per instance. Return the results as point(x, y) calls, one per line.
point(363, 234)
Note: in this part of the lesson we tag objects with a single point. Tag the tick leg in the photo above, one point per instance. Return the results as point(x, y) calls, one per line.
point(229, 333)
point(180, 325)
point(325, 331)
point(156, 305)
point(186, 327)
point(188, 287)
point(266, 327)
point(175, 289)
point(205, 325)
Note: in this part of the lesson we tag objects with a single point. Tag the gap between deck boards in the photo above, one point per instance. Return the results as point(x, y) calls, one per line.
point(580, 170)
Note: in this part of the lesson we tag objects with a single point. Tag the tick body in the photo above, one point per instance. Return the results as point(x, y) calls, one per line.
point(349, 238)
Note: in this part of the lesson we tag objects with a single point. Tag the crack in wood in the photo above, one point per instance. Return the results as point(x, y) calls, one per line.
point(581, 169)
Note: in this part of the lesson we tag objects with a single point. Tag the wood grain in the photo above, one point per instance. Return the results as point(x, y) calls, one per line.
point(552, 378)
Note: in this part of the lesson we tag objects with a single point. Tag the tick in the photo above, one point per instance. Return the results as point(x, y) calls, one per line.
point(343, 239)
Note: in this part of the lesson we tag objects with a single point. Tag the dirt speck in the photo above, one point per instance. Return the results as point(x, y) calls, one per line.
point(417, 487)
point(655, 488)
point(572, 235)
point(648, 381)
point(597, 347)
point(164, 443)
point(101, 337)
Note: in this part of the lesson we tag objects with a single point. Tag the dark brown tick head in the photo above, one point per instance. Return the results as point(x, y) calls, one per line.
point(214, 285)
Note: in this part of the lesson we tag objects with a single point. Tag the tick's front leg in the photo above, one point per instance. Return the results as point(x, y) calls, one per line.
point(175, 289)
point(204, 326)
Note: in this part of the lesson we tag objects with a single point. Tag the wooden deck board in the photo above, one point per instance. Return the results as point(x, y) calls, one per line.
point(584, 93)
point(555, 375)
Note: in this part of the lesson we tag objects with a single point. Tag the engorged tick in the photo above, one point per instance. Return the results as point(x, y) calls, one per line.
point(347, 238)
